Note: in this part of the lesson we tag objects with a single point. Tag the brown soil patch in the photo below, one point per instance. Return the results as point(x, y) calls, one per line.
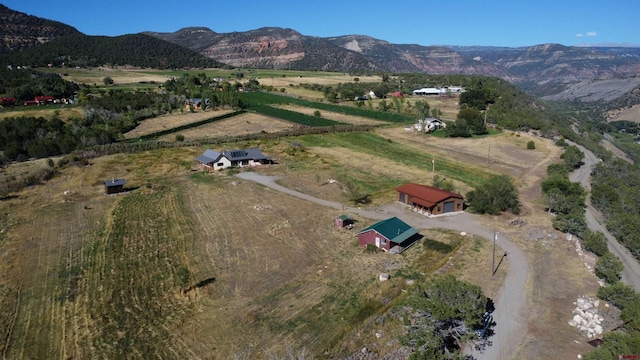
point(171, 121)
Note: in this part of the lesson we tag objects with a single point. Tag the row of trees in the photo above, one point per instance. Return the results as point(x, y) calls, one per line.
point(565, 199)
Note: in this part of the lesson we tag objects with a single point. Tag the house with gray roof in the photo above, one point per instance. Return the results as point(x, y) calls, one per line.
point(212, 160)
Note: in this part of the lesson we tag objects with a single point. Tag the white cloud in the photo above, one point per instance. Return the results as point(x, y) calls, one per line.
point(579, 35)
point(592, 33)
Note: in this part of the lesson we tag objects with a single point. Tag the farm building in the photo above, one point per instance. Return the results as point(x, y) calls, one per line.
point(436, 91)
point(212, 160)
point(392, 235)
point(430, 200)
point(343, 221)
point(429, 124)
point(114, 186)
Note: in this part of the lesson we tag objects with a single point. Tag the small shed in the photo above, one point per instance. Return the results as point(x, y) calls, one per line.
point(342, 221)
point(114, 186)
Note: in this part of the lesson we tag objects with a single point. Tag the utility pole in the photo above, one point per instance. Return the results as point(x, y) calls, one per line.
point(493, 263)
point(433, 165)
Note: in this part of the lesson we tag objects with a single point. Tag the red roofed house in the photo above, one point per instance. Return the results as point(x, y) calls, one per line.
point(430, 200)
point(42, 100)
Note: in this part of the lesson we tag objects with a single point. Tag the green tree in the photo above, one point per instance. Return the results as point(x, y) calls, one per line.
point(531, 145)
point(422, 107)
point(107, 80)
point(595, 242)
point(496, 195)
point(608, 268)
point(572, 157)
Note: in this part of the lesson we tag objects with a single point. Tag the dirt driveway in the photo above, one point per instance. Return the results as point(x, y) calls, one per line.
point(511, 325)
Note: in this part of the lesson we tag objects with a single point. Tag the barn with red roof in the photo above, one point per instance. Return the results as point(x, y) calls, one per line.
point(430, 200)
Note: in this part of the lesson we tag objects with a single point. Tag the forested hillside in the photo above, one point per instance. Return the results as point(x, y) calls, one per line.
point(20, 31)
point(134, 50)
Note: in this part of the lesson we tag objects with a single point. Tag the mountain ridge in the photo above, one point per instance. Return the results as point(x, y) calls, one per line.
point(544, 70)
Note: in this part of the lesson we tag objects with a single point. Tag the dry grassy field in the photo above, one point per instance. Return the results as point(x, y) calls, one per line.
point(190, 265)
point(170, 121)
point(247, 123)
point(64, 112)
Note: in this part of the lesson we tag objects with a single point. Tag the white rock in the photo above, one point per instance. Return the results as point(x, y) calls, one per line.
point(384, 277)
point(597, 329)
point(577, 319)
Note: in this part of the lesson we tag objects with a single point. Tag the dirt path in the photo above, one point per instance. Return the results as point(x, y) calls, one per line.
point(511, 325)
point(631, 273)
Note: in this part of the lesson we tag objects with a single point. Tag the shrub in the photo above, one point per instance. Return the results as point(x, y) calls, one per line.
point(179, 137)
point(608, 268)
point(317, 113)
point(595, 242)
point(496, 195)
point(531, 145)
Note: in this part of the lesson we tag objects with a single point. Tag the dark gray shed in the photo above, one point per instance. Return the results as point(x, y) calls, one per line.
point(114, 186)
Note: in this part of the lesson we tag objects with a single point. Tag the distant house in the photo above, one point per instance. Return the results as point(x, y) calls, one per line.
point(398, 94)
point(430, 200)
point(393, 235)
point(198, 104)
point(114, 186)
point(212, 160)
point(429, 124)
point(43, 100)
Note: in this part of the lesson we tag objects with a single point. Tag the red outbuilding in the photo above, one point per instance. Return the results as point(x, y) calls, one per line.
point(430, 200)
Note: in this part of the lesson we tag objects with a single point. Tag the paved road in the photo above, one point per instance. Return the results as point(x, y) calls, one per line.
point(510, 326)
point(631, 273)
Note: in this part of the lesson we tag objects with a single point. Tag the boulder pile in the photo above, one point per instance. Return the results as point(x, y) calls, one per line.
point(586, 317)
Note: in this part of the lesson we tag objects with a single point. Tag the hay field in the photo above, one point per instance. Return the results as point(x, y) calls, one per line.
point(354, 120)
point(246, 123)
point(64, 112)
point(170, 121)
point(178, 267)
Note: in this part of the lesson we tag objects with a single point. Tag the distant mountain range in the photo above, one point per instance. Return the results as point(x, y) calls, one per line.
point(545, 70)
point(552, 71)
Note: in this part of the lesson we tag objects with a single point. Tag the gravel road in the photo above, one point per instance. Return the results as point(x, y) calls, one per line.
point(631, 272)
point(511, 326)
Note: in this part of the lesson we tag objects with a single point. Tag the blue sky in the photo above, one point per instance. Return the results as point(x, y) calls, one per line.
point(510, 23)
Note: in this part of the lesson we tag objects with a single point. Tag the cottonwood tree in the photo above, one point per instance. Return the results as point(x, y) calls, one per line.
point(498, 194)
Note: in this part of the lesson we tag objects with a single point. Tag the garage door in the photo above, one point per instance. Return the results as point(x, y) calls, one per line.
point(448, 206)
